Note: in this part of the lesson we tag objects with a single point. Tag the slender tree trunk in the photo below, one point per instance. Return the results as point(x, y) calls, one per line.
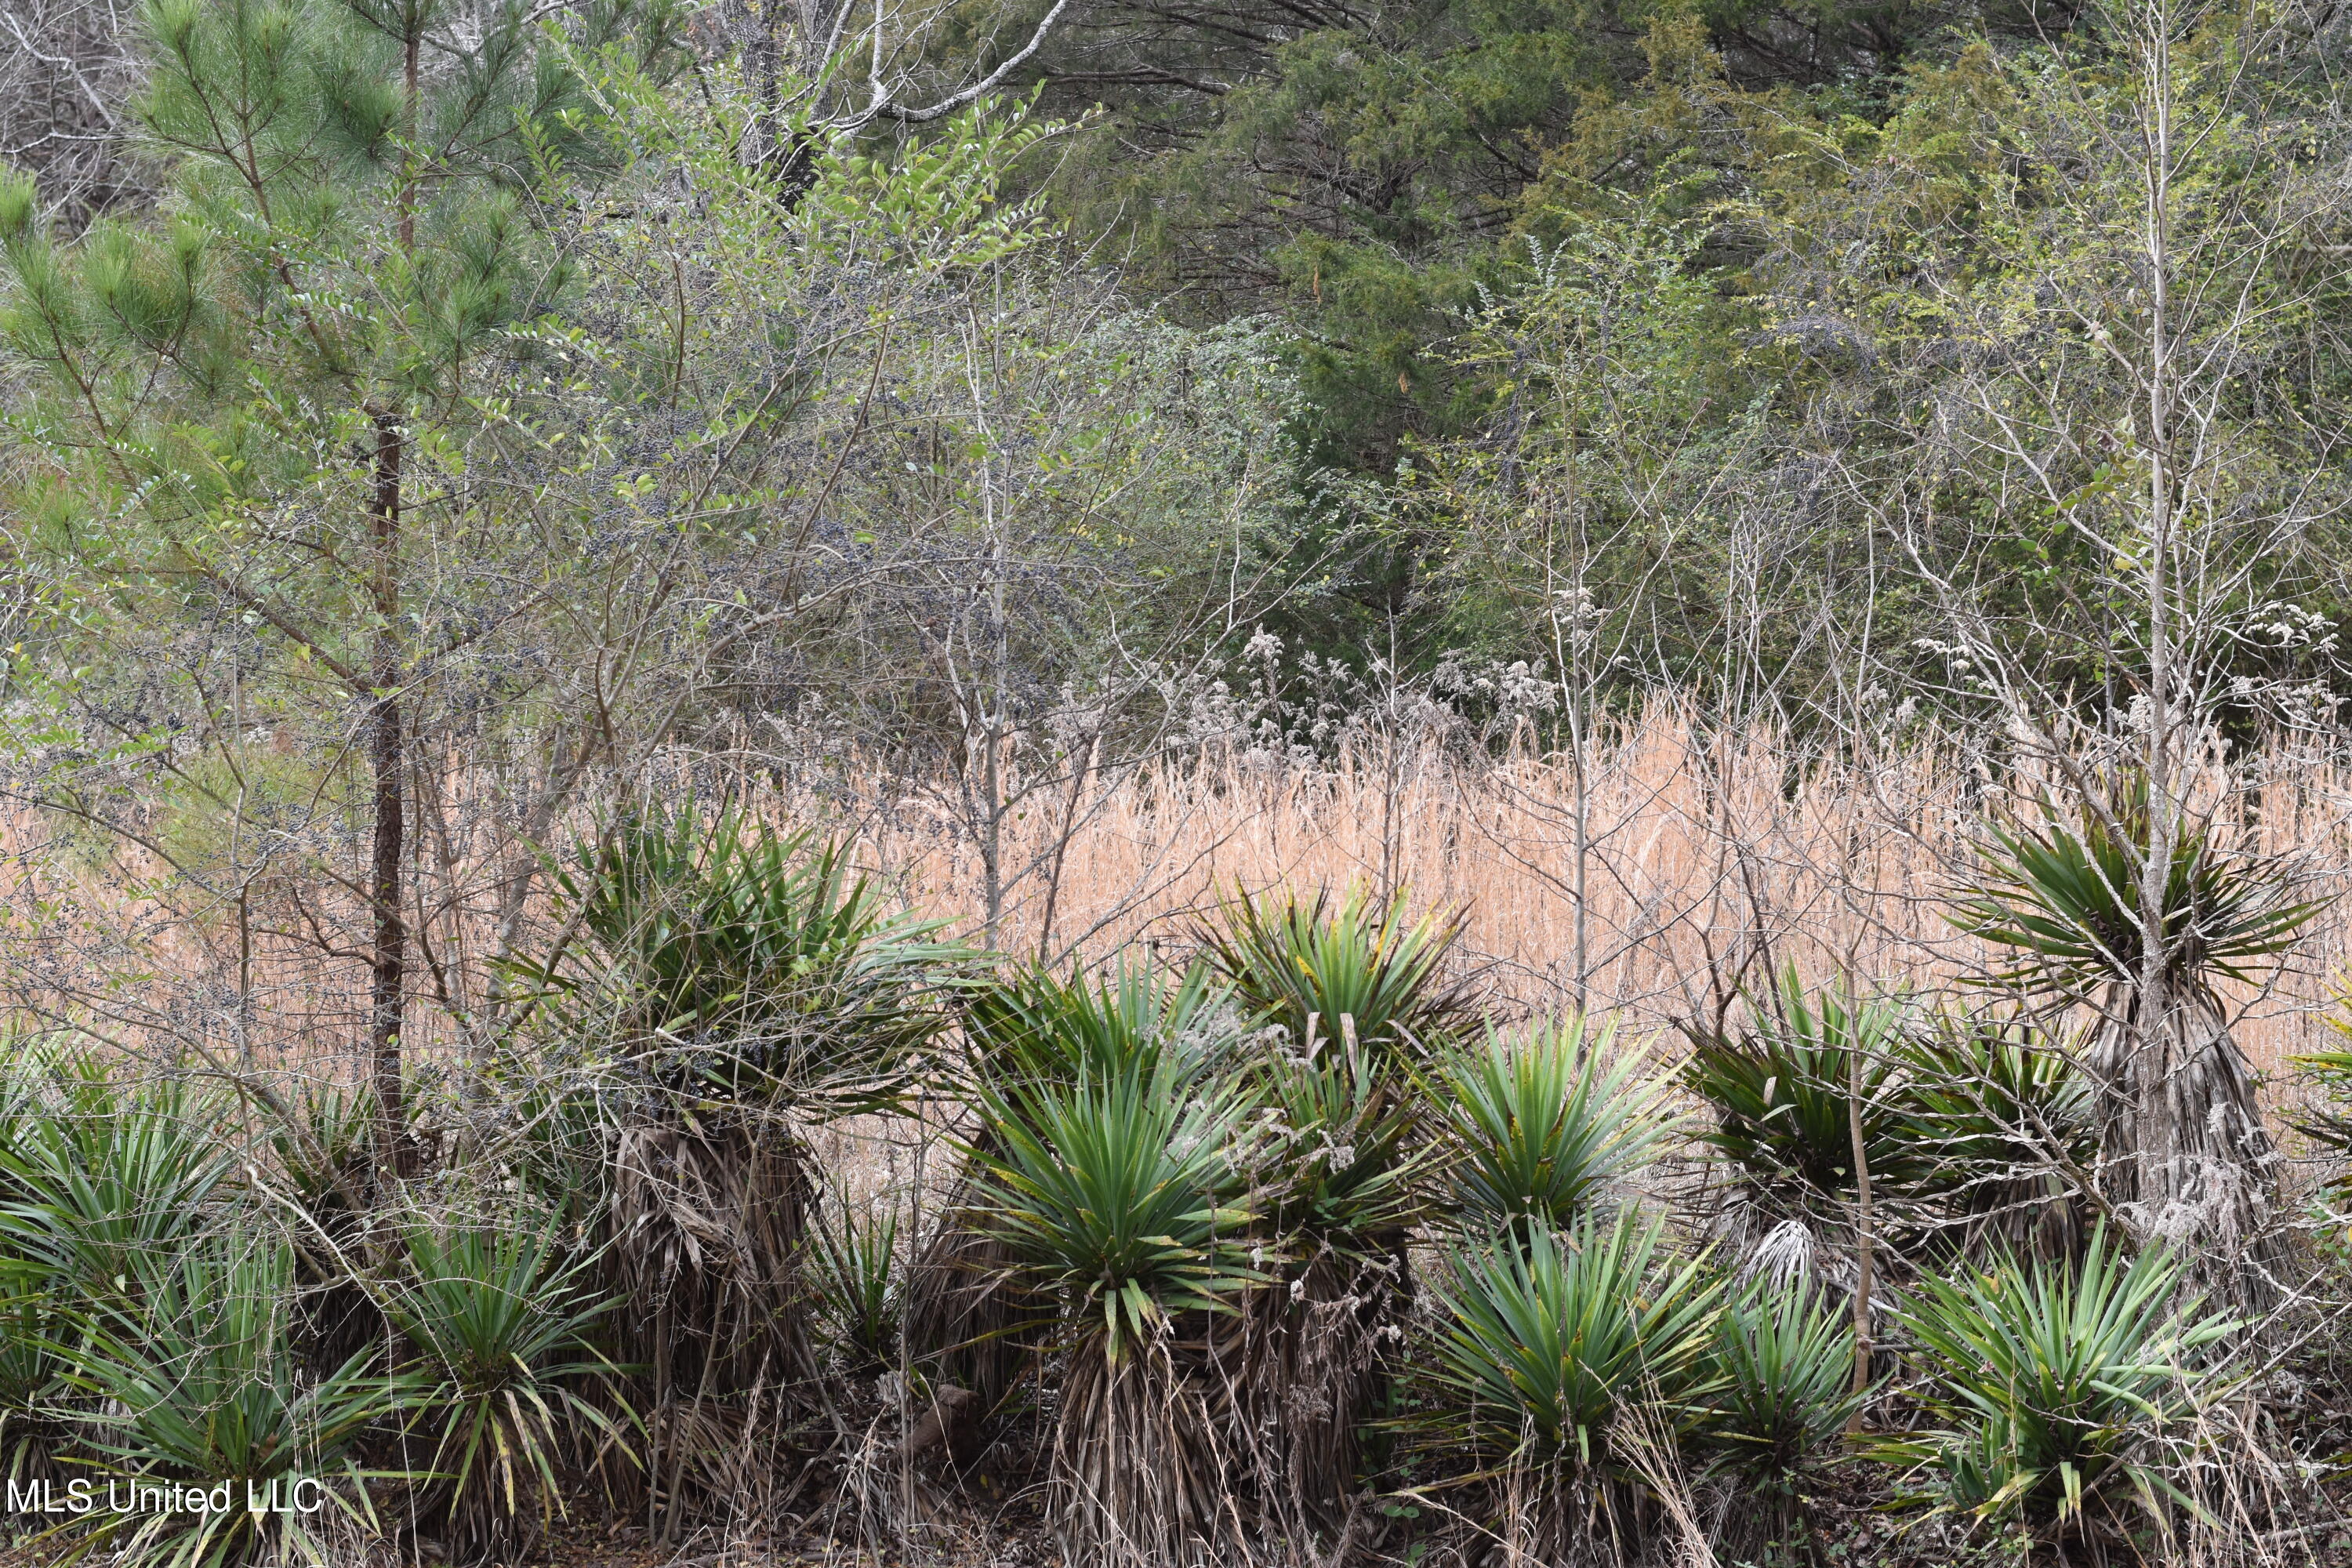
point(1866, 1243)
point(387, 760)
point(387, 754)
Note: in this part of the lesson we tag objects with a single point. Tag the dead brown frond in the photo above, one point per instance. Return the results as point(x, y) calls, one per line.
point(709, 1211)
point(1144, 1472)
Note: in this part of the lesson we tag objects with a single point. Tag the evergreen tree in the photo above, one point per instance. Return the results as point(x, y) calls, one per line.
point(247, 406)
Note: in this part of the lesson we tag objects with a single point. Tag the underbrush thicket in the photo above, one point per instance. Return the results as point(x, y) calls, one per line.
point(1281, 1248)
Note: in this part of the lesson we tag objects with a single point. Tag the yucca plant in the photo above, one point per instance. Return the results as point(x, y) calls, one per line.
point(1780, 1371)
point(2181, 1134)
point(1121, 1192)
point(2063, 897)
point(967, 1310)
point(854, 1268)
point(38, 1334)
point(1544, 1126)
point(2326, 1077)
point(756, 980)
point(1342, 1159)
point(756, 963)
point(1547, 1347)
point(1340, 1167)
point(503, 1320)
point(1782, 1096)
point(322, 1142)
point(1118, 1195)
point(1332, 971)
point(1033, 1026)
point(2063, 1390)
point(2006, 1122)
point(104, 1178)
point(2321, 1117)
point(190, 1380)
point(1354, 995)
point(321, 1150)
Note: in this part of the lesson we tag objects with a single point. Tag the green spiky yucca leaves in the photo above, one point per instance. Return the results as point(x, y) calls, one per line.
point(1347, 999)
point(853, 1270)
point(1035, 1028)
point(1341, 1154)
point(193, 1381)
point(968, 1293)
point(2065, 896)
point(1337, 970)
point(1543, 1347)
point(98, 1177)
point(1781, 1367)
point(1542, 1124)
point(321, 1149)
point(2005, 1123)
point(2321, 1117)
point(1120, 1191)
point(757, 960)
point(36, 1330)
point(1782, 1092)
point(503, 1324)
point(2056, 1386)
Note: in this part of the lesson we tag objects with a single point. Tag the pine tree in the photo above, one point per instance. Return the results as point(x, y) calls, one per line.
point(247, 401)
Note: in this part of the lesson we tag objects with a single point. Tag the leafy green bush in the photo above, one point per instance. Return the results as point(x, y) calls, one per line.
point(502, 1320)
point(105, 1182)
point(1781, 1375)
point(2005, 1125)
point(853, 1267)
point(2063, 896)
point(1542, 1124)
point(760, 960)
point(1120, 1193)
point(2060, 1390)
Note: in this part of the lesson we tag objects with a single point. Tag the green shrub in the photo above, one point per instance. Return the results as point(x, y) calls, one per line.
point(1328, 971)
point(2060, 1390)
point(190, 1380)
point(1544, 1345)
point(106, 1182)
point(37, 1333)
point(1542, 1125)
point(2004, 1126)
point(1782, 1095)
point(1780, 1371)
point(853, 1267)
point(758, 961)
point(1120, 1193)
point(502, 1320)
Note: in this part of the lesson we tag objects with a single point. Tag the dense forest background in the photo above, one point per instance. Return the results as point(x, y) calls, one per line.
point(1690, 313)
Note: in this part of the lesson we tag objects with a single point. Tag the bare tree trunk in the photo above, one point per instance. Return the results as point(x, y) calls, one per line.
point(387, 760)
point(1866, 1243)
